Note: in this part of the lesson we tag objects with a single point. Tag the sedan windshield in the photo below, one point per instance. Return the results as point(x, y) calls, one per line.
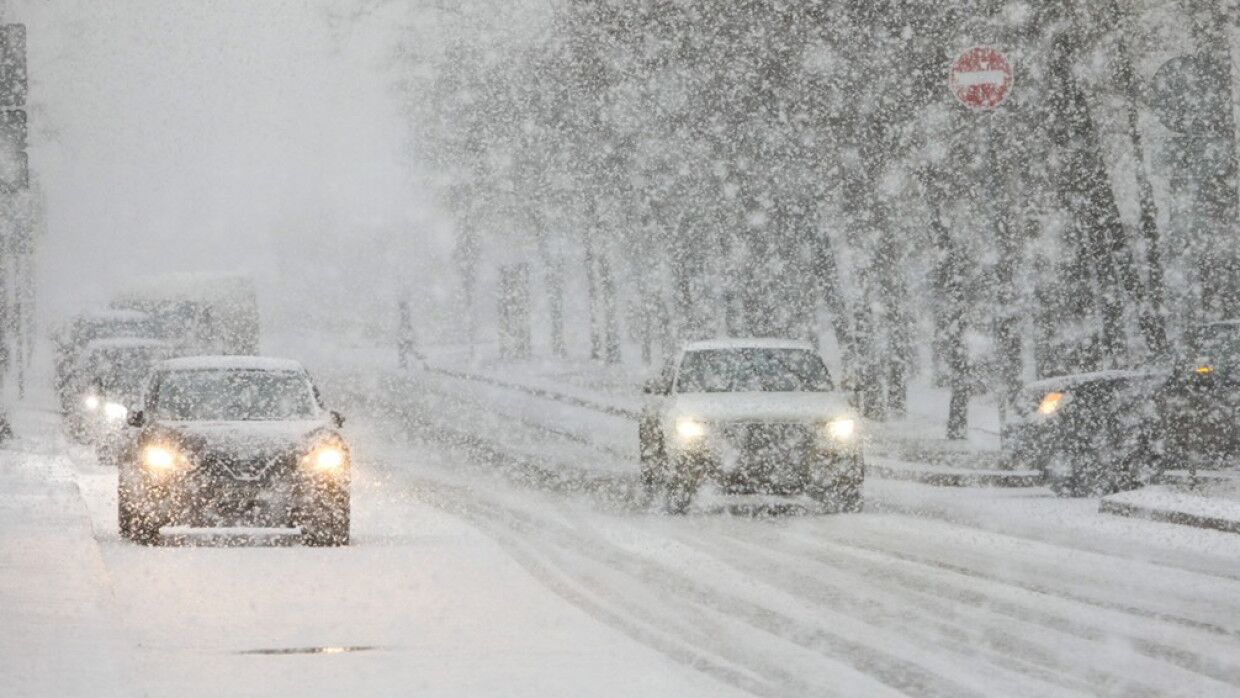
point(752, 370)
point(234, 395)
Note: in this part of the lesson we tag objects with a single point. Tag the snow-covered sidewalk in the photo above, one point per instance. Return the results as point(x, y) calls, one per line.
point(57, 638)
point(1215, 506)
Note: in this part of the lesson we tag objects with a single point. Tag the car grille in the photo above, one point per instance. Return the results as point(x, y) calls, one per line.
point(244, 469)
point(763, 437)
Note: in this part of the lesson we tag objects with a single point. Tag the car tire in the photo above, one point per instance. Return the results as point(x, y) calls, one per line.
point(844, 501)
point(133, 525)
point(678, 495)
point(653, 460)
point(1075, 477)
point(852, 503)
point(328, 526)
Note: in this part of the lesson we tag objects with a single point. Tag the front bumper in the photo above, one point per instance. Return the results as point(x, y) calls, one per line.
point(780, 459)
point(200, 498)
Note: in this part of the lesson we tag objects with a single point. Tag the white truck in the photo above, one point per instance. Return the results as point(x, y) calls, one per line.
point(199, 313)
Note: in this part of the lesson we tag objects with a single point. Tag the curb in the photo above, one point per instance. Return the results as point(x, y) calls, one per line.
point(1168, 516)
point(538, 392)
point(949, 479)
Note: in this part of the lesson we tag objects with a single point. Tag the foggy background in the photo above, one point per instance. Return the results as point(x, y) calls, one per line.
point(230, 135)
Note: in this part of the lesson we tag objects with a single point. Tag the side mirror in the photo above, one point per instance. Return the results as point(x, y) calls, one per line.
point(135, 418)
point(337, 419)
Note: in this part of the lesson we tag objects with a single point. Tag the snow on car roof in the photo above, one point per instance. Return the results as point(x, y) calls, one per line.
point(748, 343)
point(230, 362)
point(115, 315)
point(126, 343)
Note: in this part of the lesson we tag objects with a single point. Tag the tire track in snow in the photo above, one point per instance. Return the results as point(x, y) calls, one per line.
point(995, 597)
point(758, 678)
point(894, 671)
point(555, 479)
point(1016, 655)
point(1038, 588)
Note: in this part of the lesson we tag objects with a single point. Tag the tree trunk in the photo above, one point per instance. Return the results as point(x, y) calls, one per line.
point(1085, 193)
point(1152, 316)
point(949, 278)
point(827, 274)
point(592, 291)
point(611, 326)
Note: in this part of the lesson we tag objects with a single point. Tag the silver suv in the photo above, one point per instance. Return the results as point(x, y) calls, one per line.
point(754, 416)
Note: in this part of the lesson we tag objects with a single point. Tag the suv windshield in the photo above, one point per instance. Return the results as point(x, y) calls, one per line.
point(752, 370)
point(234, 395)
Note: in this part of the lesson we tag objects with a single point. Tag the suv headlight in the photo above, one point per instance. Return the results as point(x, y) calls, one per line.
point(690, 429)
point(328, 457)
point(91, 402)
point(842, 429)
point(1051, 402)
point(115, 411)
point(163, 459)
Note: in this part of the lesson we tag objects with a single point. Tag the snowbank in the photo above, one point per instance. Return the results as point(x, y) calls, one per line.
point(1216, 508)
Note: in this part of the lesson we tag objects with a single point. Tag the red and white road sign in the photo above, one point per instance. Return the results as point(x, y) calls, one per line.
point(980, 77)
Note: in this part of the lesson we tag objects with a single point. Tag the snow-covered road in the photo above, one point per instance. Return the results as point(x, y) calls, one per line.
point(497, 556)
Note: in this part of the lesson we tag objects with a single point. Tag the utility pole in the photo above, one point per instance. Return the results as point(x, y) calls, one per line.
point(14, 184)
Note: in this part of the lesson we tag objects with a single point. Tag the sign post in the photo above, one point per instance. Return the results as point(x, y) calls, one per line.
point(981, 79)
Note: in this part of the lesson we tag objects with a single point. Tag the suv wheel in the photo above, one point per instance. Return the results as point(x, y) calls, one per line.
point(327, 524)
point(134, 525)
point(678, 493)
point(653, 459)
point(847, 500)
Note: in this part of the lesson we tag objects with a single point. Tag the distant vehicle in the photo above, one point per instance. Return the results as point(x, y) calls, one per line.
point(1201, 405)
point(107, 379)
point(754, 416)
point(1090, 433)
point(73, 337)
point(200, 313)
point(234, 440)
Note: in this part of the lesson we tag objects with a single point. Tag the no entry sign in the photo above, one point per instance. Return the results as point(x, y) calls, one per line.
point(980, 77)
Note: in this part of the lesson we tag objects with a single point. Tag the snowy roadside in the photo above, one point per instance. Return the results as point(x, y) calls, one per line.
point(58, 637)
point(616, 391)
point(1214, 506)
point(905, 450)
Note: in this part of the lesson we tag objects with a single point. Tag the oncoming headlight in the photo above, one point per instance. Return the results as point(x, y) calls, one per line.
point(115, 411)
point(1050, 402)
point(842, 429)
point(162, 458)
point(690, 429)
point(91, 402)
point(327, 457)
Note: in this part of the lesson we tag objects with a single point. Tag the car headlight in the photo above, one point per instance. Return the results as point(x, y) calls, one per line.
point(690, 429)
point(328, 457)
point(115, 411)
point(842, 429)
point(163, 458)
point(91, 402)
point(1050, 403)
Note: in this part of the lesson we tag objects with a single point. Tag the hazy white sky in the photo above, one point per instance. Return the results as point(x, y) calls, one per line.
point(192, 135)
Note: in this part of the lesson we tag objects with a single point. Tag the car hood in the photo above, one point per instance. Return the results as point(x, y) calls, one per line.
point(254, 438)
point(759, 407)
